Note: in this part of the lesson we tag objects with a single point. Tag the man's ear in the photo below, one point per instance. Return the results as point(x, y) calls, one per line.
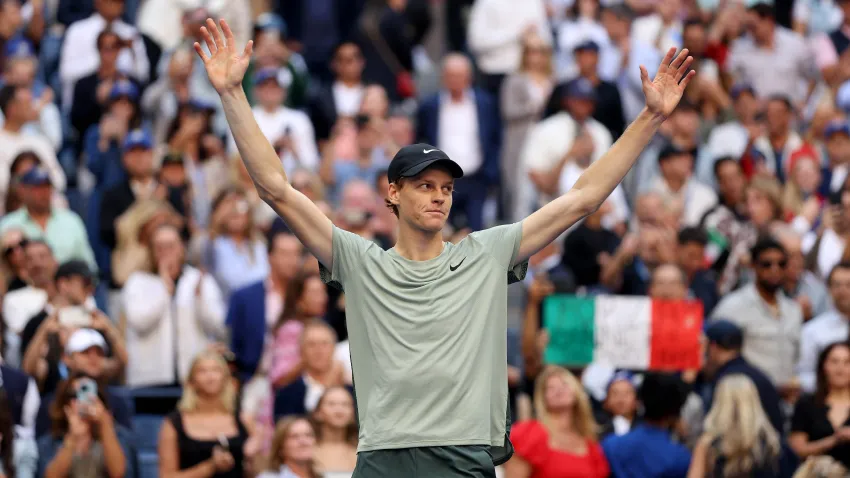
point(393, 192)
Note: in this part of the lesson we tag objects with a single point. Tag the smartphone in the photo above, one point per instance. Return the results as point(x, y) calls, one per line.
point(222, 441)
point(86, 392)
point(74, 316)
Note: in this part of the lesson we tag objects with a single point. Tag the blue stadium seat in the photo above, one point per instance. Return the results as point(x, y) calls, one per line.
point(146, 429)
point(148, 464)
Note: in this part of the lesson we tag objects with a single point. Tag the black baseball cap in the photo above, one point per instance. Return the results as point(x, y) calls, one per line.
point(75, 268)
point(412, 160)
point(725, 334)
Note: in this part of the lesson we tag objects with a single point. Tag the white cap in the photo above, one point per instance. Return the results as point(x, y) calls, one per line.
point(84, 339)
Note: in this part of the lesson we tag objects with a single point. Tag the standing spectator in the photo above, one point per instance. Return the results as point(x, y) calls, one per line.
point(580, 25)
point(561, 442)
point(668, 283)
point(61, 228)
point(620, 405)
point(205, 435)
point(343, 97)
point(80, 58)
point(648, 449)
point(588, 246)
point(676, 184)
point(495, 34)
point(780, 141)
point(830, 45)
point(16, 103)
point(769, 320)
point(738, 439)
point(293, 452)
point(662, 28)
point(609, 108)
point(22, 399)
point(384, 35)
point(800, 284)
point(732, 138)
point(84, 440)
point(464, 122)
point(826, 328)
point(16, 461)
point(522, 101)
point(701, 282)
point(371, 159)
point(173, 312)
point(13, 243)
point(771, 58)
point(820, 425)
point(336, 433)
point(162, 98)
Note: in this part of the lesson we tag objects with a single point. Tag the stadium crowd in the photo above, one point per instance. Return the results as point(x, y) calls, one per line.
point(159, 319)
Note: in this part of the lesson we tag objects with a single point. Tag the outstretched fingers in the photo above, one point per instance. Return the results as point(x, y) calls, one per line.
point(683, 69)
point(687, 79)
point(249, 49)
point(228, 34)
point(205, 33)
point(216, 34)
point(680, 58)
point(644, 75)
point(201, 52)
point(668, 58)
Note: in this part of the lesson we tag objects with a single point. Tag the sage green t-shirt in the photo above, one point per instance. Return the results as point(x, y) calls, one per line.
point(428, 338)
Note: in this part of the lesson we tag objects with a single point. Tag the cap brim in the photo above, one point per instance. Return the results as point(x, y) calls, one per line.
point(454, 168)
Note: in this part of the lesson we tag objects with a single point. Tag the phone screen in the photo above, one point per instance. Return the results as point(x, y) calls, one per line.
point(86, 391)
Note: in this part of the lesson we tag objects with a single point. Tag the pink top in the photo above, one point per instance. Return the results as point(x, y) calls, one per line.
point(286, 351)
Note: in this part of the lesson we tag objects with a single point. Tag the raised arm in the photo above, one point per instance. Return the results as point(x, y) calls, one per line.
point(599, 180)
point(226, 68)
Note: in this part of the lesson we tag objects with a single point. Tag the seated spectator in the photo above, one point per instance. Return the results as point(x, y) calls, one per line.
point(770, 321)
point(14, 242)
point(72, 307)
point(588, 245)
point(86, 352)
point(620, 404)
point(205, 435)
point(739, 440)
point(826, 328)
point(173, 312)
point(272, 50)
point(691, 258)
point(39, 219)
point(84, 440)
point(648, 449)
point(320, 372)
point(723, 358)
point(336, 433)
point(561, 442)
point(821, 422)
point(800, 284)
point(22, 163)
point(293, 450)
point(236, 255)
point(16, 459)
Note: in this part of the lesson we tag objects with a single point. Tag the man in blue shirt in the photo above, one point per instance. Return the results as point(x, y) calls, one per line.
point(648, 450)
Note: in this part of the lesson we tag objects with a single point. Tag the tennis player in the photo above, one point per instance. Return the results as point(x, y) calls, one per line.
point(427, 319)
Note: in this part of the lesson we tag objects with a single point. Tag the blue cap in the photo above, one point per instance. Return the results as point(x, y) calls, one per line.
point(124, 88)
point(200, 104)
point(836, 127)
point(271, 21)
point(282, 76)
point(622, 375)
point(19, 48)
point(725, 334)
point(587, 45)
point(842, 97)
point(138, 138)
point(36, 176)
point(580, 88)
point(741, 88)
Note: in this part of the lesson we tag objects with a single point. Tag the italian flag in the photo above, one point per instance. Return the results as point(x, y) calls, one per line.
point(635, 333)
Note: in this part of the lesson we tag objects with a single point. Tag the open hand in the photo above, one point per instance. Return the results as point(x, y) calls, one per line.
point(664, 92)
point(225, 66)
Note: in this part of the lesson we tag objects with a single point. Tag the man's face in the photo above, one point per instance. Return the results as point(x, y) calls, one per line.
point(10, 18)
point(677, 167)
point(770, 269)
point(746, 107)
point(37, 198)
point(731, 182)
point(75, 289)
point(424, 201)
point(691, 257)
point(839, 289)
point(616, 27)
point(317, 349)
point(457, 77)
point(685, 123)
point(90, 362)
point(621, 399)
point(270, 94)
point(40, 264)
point(580, 108)
point(587, 61)
point(173, 175)
point(796, 261)
point(694, 39)
point(109, 9)
point(22, 108)
point(109, 48)
point(348, 63)
point(838, 148)
point(139, 162)
point(778, 117)
point(286, 256)
point(668, 284)
point(21, 71)
point(368, 138)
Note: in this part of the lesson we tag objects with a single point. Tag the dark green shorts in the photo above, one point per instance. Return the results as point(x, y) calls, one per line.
point(468, 461)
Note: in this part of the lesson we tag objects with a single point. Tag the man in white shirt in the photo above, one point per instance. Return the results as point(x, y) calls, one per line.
point(662, 29)
point(80, 57)
point(731, 138)
point(676, 185)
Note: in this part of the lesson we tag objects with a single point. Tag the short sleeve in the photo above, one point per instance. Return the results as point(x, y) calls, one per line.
point(802, 418)
point(502, 242)
point(348, 251)
point(531, 442)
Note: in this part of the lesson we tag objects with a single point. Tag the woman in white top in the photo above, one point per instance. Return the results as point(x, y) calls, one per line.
point(293, 450)
point(336, 451)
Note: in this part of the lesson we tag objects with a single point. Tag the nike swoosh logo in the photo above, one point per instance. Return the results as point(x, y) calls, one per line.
point(454, 268)
point(428, 151)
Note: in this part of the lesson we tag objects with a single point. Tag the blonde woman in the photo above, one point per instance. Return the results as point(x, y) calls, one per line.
point(561, 442)
point(739, 440)
point(293, 450)
point(204, 436)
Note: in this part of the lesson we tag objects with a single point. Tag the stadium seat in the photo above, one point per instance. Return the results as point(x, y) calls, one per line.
point(146, 429)
point(148, 464)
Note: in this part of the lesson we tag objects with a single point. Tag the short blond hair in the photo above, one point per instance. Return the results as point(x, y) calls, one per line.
point(189, 401)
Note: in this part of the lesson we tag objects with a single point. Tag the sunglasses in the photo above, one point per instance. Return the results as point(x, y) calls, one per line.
point(769, 264)
point(8, 250)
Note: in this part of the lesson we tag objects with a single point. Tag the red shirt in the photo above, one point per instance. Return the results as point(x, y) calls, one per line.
point(531, 443)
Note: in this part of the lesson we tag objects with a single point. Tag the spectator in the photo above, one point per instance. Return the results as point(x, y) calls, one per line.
point(21, 305)
point(564, 418)
point(775, 148)
point(588, 247)
point(343, 97)
point(320, 372)
point(357, 207)
point(691, 258)
point(22, 401)
point(61, 228)
point(801, 196)
point(262, 214)
point(676, 184)
point(823, 330)
point(371, 159)
point(522, 101)
point(770, 321)
point(820, 424)
point(80, 58)
point(44, 338)
point(293, 451)
point(16, 103)
point(609, 108)
point(631, 267)
point(495, 35)
point(668, 283)
point(726, 222)
point(86, 352)
point(837, 152)
point(14, 243)
point(580, 25)
point(336, 433)
point(22, 163)
point(205, 435)
point(800, 284)
point(236, 255)
point(173, 312)
point(463, 122)
point(725, 341)
point(662, 28)
point(733, 138)
point(16, 459)
point(648, 449)
point(738, 439)
point(764, 203)
point(620, 405)
point(162, 98)
point(84, 439)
